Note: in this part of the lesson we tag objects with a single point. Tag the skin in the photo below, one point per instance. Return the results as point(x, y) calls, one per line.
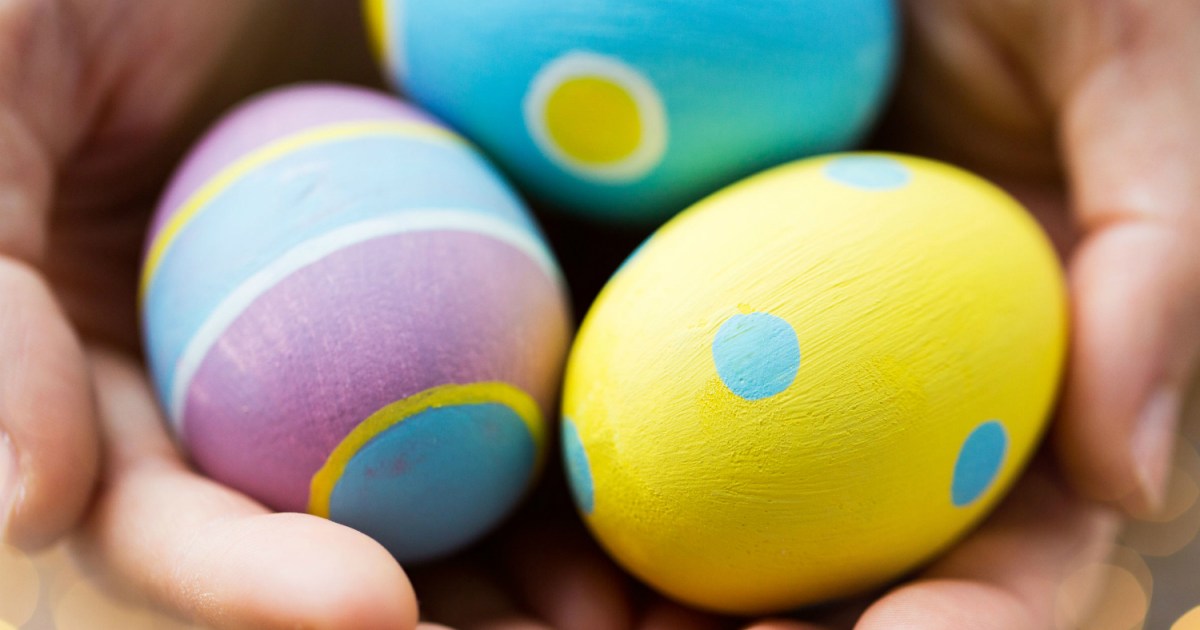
point(1084, 109)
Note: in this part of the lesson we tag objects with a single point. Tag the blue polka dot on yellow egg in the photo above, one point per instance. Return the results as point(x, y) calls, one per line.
point(579, 470)
point(978, 462)
point(756, 354)
point(805, 385)
point(868, 172)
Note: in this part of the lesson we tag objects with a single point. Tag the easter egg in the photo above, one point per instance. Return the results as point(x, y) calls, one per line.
point(629, 110)
point(814, 381)
point(347, 312)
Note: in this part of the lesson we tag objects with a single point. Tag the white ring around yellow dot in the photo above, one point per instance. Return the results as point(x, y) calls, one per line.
point(597, 117)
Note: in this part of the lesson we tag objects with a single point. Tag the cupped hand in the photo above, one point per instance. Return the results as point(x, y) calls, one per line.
point(1085, 110)
point(97, 100)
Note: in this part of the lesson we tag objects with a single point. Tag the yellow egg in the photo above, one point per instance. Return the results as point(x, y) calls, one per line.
point(813, 381)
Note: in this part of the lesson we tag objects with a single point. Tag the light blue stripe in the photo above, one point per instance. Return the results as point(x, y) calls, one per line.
point(300, 196)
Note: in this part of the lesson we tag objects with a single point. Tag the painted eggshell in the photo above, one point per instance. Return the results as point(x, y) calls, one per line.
point(347, 312)
point(629, 110)
point(813, 381)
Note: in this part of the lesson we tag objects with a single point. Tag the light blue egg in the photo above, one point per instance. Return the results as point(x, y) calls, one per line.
point(719, 89)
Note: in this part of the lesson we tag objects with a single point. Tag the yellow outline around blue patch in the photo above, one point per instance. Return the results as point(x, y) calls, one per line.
point(326, 479)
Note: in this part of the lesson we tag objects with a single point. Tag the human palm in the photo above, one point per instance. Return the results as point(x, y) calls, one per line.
point(1082, 109)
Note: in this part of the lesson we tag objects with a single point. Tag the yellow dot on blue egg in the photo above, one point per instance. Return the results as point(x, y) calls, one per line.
point(757, 355)
point(868, 172)
point(579, 469)
point(597, 116)
point(979, 462)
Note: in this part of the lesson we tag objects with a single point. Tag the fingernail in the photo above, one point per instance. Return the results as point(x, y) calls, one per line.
point(10, 483)
point(1154, 448)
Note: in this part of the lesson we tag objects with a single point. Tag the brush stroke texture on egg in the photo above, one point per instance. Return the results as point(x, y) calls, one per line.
point(813, 381)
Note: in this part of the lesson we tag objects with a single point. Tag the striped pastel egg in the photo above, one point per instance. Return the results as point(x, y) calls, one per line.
point(628, 110)
point(348, 312)
point(813, 381)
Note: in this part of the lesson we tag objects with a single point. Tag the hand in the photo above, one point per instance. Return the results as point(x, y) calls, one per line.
point(98, 98)
point(1086, 112)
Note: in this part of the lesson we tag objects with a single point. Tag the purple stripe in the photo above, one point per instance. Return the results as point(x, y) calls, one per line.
point(362, 328)
point(270, 117)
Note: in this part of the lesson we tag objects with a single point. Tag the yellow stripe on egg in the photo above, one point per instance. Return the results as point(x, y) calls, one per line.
point(231, 174)
point(326, 479)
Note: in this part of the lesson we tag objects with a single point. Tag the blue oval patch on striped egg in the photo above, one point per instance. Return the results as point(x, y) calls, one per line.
point(478, 442)
point(327, 252)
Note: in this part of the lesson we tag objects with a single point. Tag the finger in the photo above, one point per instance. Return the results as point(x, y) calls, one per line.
point(47, 428)
point(25, 184)
point(559, 572)
point(1131, 133)
point(1008, 573)
point(48, 443)
point(465, 596)
point(212, 555)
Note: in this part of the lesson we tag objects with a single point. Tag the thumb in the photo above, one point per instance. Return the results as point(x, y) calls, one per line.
point(48, 439)
point(1130, 133)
